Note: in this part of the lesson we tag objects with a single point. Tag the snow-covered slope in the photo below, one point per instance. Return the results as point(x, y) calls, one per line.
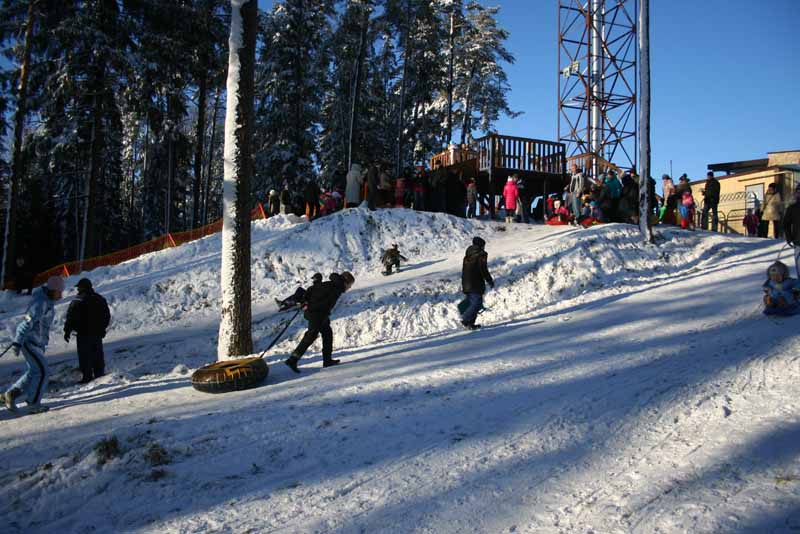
point(617, 388)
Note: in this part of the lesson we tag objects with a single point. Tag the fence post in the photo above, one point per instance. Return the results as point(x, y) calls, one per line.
point(65, 270)
point(261, 211)
point(171, 241)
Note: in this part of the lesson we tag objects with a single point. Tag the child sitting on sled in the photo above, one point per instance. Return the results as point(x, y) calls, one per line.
point(781, 292)
point(298, 297)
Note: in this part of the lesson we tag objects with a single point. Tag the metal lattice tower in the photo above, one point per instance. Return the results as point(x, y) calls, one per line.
point(598, 82)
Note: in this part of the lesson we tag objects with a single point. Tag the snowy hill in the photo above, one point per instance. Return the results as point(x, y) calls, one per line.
point(616, 388)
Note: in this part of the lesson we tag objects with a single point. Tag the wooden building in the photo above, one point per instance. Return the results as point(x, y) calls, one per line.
point(490, 160)
point(744, 183)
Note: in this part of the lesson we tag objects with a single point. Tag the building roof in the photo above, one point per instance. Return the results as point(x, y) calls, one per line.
point(776, 168)
point(739, 166)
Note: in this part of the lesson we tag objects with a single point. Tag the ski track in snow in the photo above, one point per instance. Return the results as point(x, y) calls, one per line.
point(616, 387)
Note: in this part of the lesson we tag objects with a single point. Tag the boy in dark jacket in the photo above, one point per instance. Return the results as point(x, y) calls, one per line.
point(391, 258)
point(320, 300)
point(474, 277)
point(88, 317)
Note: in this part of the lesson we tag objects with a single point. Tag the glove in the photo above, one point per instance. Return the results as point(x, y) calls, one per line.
point(66, 336)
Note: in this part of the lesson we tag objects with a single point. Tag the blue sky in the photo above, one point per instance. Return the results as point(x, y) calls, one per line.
point(725, 78)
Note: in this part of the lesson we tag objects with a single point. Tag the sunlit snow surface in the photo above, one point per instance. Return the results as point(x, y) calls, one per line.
point(614, 388)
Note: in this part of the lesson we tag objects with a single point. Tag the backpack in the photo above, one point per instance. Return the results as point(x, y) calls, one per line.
point(98, 308)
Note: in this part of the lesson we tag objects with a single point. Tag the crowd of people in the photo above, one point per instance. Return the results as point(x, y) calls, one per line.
point(610, 198)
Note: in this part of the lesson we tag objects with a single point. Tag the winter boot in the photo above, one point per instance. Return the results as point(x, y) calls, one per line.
point(330, 362)
point(10, 397)
point(292, 363)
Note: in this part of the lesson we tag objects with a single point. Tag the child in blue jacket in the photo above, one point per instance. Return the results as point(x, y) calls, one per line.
point(31, 338)
point(781, 292)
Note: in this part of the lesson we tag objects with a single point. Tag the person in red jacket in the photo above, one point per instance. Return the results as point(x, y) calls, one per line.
point(750, 223)
point(511, 195)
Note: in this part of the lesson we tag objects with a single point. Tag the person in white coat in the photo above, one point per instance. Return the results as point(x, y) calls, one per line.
point(355, 179)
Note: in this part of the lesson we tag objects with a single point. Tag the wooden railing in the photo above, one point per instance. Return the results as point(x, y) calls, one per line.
point(520, 154)
point(453, 155)
point(584, 162)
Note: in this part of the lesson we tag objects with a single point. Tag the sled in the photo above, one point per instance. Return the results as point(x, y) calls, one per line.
point(233, 375)
point(236, 375)
point(786, 311)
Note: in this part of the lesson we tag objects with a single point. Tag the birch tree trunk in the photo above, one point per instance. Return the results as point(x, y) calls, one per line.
point(465, 123)
point(207, 183)
point(235, 336)
point(403, 85)
point(198, 154)
point(10, 241)
point(449, 134)
point(362, 51)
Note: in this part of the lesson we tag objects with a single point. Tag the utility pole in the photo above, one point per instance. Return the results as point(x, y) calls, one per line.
point(644, 116)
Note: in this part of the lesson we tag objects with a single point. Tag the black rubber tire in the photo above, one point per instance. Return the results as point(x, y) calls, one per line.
point(231, 375)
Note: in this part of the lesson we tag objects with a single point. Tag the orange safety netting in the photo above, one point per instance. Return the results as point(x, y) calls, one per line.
point(154, 245)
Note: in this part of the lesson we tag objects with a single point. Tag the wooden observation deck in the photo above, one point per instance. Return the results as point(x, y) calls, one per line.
point(540, 165)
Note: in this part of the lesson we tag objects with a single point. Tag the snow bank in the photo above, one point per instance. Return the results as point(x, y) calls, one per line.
point(620, 387)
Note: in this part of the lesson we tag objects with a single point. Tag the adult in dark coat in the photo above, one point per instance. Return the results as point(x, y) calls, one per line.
point(474, 277)
point(320, 300)
point(791, 228)
point(88, 316)
point(710, 202)
point(525, 199)
point(311, 196)
point(286, 200)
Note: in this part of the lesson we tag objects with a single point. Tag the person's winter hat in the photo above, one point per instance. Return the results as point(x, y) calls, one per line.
point(478, 242)
point(316, 278)
point(272, 192)
point(780, 268)
point(348, 278)
point(665, 177)
point(510, 179)
point(55, 283)
point(84, 283)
